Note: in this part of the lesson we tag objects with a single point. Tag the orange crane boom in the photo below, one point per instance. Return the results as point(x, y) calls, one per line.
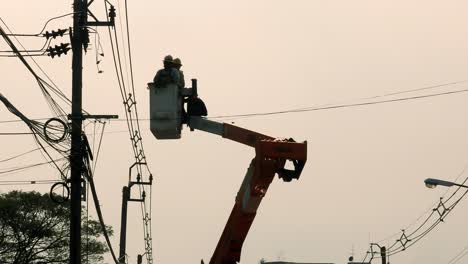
point(271, 155)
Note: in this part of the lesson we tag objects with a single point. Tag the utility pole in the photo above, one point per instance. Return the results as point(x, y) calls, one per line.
point(79, 41)
point(123, 224)
point(126, 197)
point(76, 160)
point(383, 254)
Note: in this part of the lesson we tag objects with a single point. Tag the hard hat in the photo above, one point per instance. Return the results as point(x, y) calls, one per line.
point(177, 61)
point(168, 58)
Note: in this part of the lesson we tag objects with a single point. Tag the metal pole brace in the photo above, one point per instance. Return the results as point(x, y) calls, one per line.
point(98, 23)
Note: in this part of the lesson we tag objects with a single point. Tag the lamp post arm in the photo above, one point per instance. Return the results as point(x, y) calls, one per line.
point(435, 182)
point(460, 185)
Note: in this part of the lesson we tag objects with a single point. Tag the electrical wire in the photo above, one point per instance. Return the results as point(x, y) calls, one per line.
point(98, 45)
point(89, 177)
point(30, 133)
point(19, 120)
point(26, 181)
point(20, 155)
point(41, 50)
point(17, 169)
point(459, 256)
point(147, 215)
point(318, 108)
point(443, 209)
point(15, 133)
point(42, 30)
point(132, 121)
point(42, 83)
point(124, 47)
point(310, 109)
point(38, 129)
point(96, 157)
point(87, 223)
point(329, 107)
point(30, 182)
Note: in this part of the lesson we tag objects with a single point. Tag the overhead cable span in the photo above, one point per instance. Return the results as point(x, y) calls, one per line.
point(141, 170)
point(330, 107)
point(434, 216)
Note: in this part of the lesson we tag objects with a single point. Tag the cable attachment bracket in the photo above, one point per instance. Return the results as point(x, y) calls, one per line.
point(130, 102)
point(441, 210)
point(404, 240)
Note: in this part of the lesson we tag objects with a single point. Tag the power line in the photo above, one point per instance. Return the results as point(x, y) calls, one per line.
point(302, 109)
point(28, 181)
point(99, 148)
point(319, 108)
point(89, 176)
point(436, 216)
point(42, 30)
point(31, 182)
point(17, 121)
point(41, 50)
point(132, 121)
point(430, 87)
point(20, 155)
point(459, 256)
point(15, 133)
point(310, 109)
point(42, 83)
point(38, 129)
point(30, 133)
point(29, 166)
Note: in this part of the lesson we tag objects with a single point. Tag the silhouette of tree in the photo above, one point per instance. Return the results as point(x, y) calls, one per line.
point(34, 229)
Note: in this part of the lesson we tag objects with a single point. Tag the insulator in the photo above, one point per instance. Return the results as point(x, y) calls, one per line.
point(54, 34)
point(112, 14)
point(58, 50)
point(85, 35)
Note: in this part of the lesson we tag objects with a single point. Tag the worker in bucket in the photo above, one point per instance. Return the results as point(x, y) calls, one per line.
point(168, 74)
point(177, 64)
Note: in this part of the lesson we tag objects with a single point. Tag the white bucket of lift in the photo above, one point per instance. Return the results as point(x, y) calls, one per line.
point(165, 111)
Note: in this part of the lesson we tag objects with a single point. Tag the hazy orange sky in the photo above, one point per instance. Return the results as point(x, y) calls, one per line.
point(364, 178)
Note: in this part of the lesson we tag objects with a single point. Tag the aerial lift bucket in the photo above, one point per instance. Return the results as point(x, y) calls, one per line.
point(165, 111)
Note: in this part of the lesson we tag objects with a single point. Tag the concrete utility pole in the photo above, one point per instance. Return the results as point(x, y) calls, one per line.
point(126, 197)
point(79, 41)
point(383, 254)
point(123, 224)
point(76, 160)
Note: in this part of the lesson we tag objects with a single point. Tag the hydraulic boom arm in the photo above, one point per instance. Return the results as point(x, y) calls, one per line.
point(271, 156)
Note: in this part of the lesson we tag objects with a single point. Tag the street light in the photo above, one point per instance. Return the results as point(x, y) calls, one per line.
point(432, 183)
